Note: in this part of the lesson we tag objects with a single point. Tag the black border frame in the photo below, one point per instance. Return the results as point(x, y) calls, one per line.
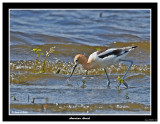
point(5, 90)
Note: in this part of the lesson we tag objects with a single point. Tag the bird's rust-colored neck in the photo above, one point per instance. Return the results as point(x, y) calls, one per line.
point(87, 66)
point(83, 61)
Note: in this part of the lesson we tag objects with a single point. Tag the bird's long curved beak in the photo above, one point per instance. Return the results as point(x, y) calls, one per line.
point(73, 70)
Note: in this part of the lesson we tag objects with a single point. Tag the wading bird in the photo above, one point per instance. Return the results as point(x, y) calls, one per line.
point(104, 58)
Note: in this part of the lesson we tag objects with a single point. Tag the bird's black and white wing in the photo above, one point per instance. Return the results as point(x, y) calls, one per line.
point(114, 52)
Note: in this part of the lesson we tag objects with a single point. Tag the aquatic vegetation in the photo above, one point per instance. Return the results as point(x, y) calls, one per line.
point(14, 98)
point(120, 81)
point(44, 108)
point(33, 100)
point(38, 52)
point(47, 54)
point(98, 49)
point(83, 85)
point(56, 107)
point(58, 69)
point(127, 97)
point(66, 67)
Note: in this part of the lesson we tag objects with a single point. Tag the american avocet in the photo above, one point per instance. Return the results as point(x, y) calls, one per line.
point(104, 58)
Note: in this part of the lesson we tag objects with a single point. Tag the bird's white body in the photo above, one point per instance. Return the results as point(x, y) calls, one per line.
point(110, 59)
point(103, 63)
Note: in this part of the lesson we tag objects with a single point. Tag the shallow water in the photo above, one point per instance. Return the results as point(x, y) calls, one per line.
point(78, 32)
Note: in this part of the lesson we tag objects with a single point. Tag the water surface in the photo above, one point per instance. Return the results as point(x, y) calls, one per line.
point(78, 32)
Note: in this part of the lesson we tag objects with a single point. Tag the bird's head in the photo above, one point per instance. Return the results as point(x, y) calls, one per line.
point(78, 59)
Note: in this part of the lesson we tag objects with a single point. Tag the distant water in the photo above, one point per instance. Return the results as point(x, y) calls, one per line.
point(73, 32)
point(81, 26)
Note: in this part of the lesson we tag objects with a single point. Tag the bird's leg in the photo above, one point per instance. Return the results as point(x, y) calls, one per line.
point(126, 71)
point(108, 83)
point(128, 67)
